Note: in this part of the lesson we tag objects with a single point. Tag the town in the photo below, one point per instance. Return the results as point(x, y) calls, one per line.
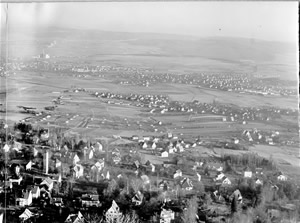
point(142, 115)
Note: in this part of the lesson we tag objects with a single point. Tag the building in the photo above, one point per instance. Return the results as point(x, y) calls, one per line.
point(36, 192)
point(26, 200)
point(166, 216)
point(137, 198)
point(25, 215)
point(282, 178)
point(75, 218)
point(90, 200)
point(113, 214)
point(164, 154)
point(178, 173)
point(48, 182)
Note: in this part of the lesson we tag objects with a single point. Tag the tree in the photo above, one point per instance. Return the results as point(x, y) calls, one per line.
point(191, 210)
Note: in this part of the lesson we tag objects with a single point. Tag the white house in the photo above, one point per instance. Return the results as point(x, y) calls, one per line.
point(48, 182)
point(164, 154)
point(166, 216)
point(57, 163)
point(248, 174)
point(282, 178)
point(76, 159)
point(25, 215)
point(91, 154)
point(36, 192)
point(28, 165)
point(26, 200)
point(178, 173)
point(75, 218)
point(78, 170)
point(226, 181)
point(113, 214)
point(144, 145)
point(258, 182)
point(219, 176)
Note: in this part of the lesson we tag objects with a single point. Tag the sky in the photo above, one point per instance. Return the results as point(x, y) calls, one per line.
point(274, 21)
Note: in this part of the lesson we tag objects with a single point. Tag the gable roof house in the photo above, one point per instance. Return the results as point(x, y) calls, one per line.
point(113, 214)
point(164, 154)
point(138, 198)
point(27, 214)
point(178, 173)
point(166, 216)
point(78, 170)
point(36, 192)
point(28, 165)
point(26, 200)
point(226, 181)
point(48, 182)
point(75, 218)
point(186, 184)
point(76, 159)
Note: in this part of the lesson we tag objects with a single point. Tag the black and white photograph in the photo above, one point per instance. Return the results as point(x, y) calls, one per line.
point(149, 112)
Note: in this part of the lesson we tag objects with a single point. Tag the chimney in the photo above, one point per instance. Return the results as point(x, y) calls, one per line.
point(46, 162)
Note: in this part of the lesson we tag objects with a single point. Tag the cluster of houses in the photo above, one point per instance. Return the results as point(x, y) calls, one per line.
point(149, 100)
point(242, 83)
point(256, 136)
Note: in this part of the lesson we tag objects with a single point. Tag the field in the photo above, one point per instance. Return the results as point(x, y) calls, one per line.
point(94, 117)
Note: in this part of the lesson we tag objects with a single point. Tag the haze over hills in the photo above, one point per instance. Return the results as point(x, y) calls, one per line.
point(179, 52)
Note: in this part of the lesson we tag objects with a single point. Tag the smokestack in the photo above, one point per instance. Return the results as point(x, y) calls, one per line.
point(46, 162)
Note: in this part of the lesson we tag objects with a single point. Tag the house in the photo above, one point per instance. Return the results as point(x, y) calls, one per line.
point(163, 185)
point(226, 181)
point(28, 165)
point(282, 178)
point(57, 201)
point(178, 173)
point(186, 184)
point(78, 170)
point(116, 159)
point(258, 182)
point(166, 216)
point(164, 154)
point(91, 154)
point(99, 165)
point(18, 180)
point(144, 146)
point(90, 200)
point(135, 138)
point(75, 159)
point(219, 176)
point(36, 193)
point(172, 150)
point(48, 182)
point(57, 163)
point(237, 195)
point(113, 214)
point(26, 200)
point(75, 218)
point(247, 173)
point(199, 176)
point(25, 215)
point(137, 198)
